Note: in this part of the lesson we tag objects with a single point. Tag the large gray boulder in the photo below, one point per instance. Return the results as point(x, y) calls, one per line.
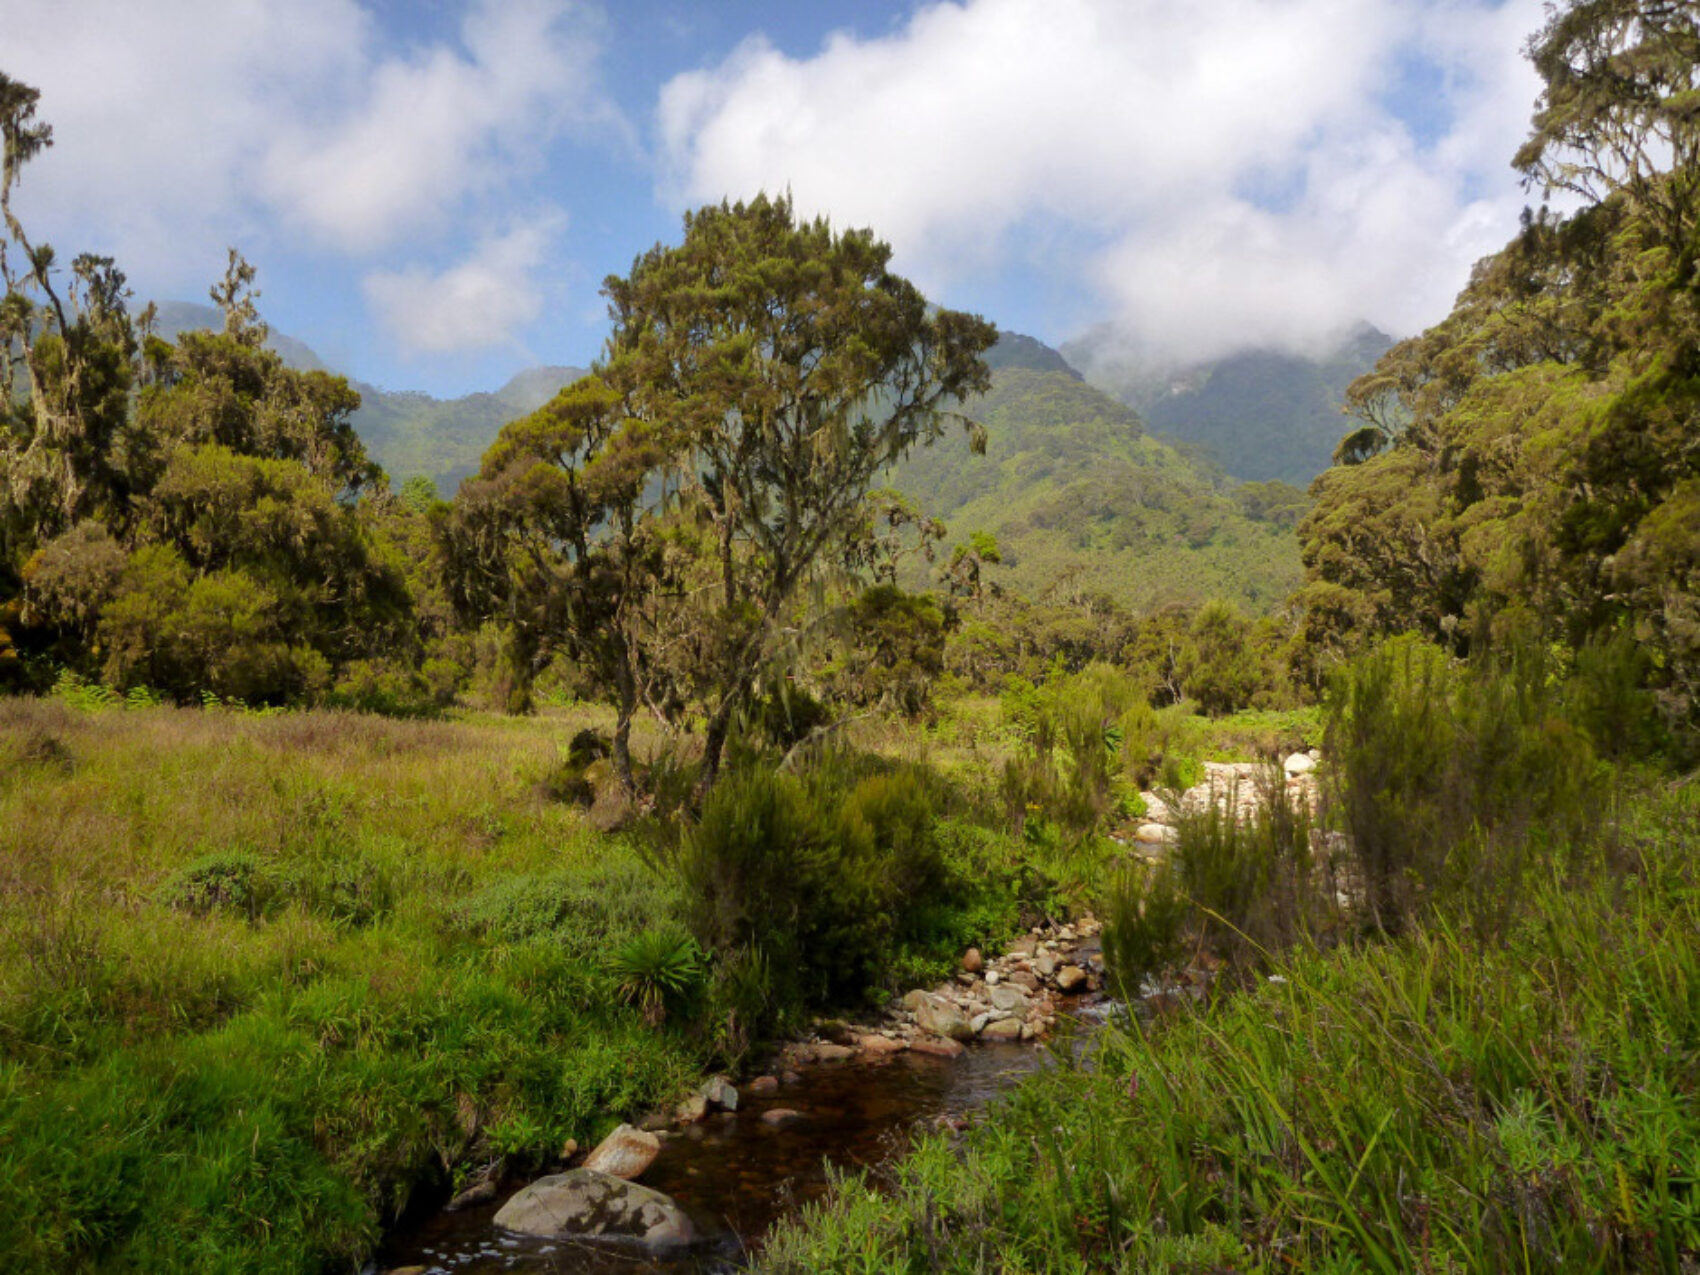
point(935, 1014)
point(584, 1204)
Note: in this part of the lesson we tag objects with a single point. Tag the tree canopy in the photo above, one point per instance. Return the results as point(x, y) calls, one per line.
point(662, 517)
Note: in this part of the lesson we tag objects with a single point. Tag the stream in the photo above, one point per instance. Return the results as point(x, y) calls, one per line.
point(736, 1174)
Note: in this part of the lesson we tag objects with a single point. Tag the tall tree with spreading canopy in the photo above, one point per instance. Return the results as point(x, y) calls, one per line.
point(1532, 463)
point(760, 375)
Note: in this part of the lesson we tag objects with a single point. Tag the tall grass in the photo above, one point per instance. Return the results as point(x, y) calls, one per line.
point(263, 978)
point(1453, 1100)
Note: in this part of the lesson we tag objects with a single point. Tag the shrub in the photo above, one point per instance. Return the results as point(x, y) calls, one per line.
point(1455, 777)
point(235, 881)
point(771, 868)
point(659, 973)
point(1250, 878)
point(1144, 915)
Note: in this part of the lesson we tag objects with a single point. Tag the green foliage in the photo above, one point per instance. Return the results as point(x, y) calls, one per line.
point(1144, 918)
point(1086, 735)
point(838, 883)
point(659, 973)
point(1456, 1100)
point(1447, 773)
point(1073, 490)
point(1531, 457)
point(236, 881)
point(1250, 880)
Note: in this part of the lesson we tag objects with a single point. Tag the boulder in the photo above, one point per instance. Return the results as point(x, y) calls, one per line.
point(719, 1092)
point(585, 1204)
point(1299, 764)
point(1155, 834)
point(1071, 979)
point(625, 1153)
point(937, 1015)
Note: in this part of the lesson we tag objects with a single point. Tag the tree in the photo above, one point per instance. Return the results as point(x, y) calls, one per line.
point(1531, 462)
point(794, 367)
point(1620, 107)
point(662, 518)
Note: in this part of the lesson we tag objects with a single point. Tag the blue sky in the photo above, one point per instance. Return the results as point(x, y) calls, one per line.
point(433, 191)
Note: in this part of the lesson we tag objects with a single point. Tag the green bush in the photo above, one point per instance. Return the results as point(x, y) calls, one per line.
point(1452, 777)
point(771, 868)
point(659, 973)
point(1249, 879)
point(1144, 917)
point(236, 881)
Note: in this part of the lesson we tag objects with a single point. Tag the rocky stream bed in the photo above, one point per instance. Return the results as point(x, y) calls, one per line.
point(717, 1171)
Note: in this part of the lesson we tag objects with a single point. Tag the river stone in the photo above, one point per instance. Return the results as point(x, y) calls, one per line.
point(720, 1092)
point(1010, 998)
point(833, 1053)
point(993, 978)
point(1003, 1029)
point(1026, 980)
point(763, 1085)
point(585, 1204)
point(1071, 978)
point(936, 1046)
point(692, 1109)
point(1045, 963)
point(972, 961)
point(937, 1015)
point(1155, 834)
point(877, 1045)
point(625, 1153)
point(780, 1116)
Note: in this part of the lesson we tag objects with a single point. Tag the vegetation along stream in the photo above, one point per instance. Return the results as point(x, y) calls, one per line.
point(736, 1173)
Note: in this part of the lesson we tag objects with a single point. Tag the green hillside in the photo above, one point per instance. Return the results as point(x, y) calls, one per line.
point(1261, 414)
point(412, 433)
point(1079, 495)
point(406, 431)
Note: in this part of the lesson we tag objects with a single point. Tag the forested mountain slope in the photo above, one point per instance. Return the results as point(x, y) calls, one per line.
point(1082, 499)
point(407, 432)
point(1260, 413)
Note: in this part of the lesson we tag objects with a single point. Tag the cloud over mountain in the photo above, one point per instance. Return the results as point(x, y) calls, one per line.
point(1221, 173)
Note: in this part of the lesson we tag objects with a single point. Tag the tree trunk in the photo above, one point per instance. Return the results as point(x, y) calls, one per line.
point(623, 731)
point(713, 744)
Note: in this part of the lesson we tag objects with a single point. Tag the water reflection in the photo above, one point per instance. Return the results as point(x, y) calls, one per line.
point(736, 1174)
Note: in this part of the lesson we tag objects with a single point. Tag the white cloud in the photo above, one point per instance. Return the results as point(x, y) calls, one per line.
point(417, 134)
point(477, 304)
point(182, 127)
point(1142, 125)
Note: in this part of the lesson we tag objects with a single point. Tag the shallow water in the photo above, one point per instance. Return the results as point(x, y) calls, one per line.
point(735, 1174)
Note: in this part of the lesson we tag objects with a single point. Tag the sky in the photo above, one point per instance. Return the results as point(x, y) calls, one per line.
point(432, 191)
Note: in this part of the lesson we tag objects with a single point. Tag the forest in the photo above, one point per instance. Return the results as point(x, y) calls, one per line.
point(365, 846)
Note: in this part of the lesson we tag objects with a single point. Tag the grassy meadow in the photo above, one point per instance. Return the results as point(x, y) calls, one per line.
point(261, 975)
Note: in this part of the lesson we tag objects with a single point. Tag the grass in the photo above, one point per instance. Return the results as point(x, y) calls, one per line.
point(261, 977)
point(1504, 1099)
